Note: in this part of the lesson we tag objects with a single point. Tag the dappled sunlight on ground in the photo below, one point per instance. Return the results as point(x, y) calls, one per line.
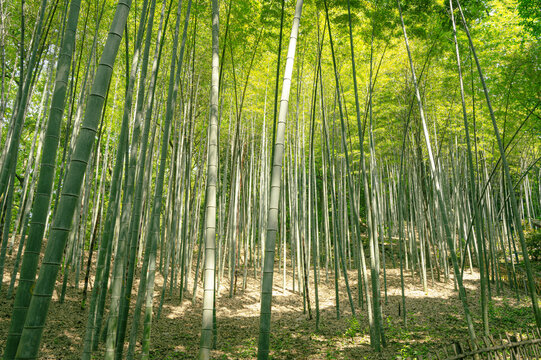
point(435, 318)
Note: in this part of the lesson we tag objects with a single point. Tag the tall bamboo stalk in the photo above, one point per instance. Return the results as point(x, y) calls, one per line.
point(274, 196)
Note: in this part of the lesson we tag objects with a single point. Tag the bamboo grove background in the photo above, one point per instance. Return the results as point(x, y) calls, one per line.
point(210, 142)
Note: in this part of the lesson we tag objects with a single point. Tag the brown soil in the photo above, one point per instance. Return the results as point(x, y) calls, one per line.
point(435, 319)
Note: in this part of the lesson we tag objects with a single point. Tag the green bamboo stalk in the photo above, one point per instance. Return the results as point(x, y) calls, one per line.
point(154, 218)
point(18, 119)
point(505, 166)
point(8, 214)
point(41, 297)
point(208, 322)
point(44, 185)
point(116, 310)
point(137, 209)
point(438, 190)
point(274, 197)
point(473, 187)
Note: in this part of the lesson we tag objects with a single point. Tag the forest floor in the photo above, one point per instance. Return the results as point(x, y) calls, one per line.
point(435, 319)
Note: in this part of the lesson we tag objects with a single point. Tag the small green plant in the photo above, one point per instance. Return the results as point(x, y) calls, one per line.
point(331, 354)
point(354, 327)
point(408, 351)
point(249, 349)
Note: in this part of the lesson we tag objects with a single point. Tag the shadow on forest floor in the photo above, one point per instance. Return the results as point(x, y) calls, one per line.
point(435, 319)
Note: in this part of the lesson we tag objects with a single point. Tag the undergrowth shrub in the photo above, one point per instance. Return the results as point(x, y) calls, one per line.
point(533, 243)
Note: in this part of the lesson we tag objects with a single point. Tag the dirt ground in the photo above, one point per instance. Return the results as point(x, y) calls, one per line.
point(435, 319)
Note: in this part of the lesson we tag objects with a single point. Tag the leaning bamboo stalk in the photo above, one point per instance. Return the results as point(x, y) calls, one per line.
point(274, 197)
point(44, 185)
point(438, 190)
point(34, 324)
point(473, 187)
point(505, 166)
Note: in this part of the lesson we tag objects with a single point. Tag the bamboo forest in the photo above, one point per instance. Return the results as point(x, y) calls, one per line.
point(270, 179)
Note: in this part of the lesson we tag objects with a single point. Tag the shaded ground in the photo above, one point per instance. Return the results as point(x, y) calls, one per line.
point(435, 319)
